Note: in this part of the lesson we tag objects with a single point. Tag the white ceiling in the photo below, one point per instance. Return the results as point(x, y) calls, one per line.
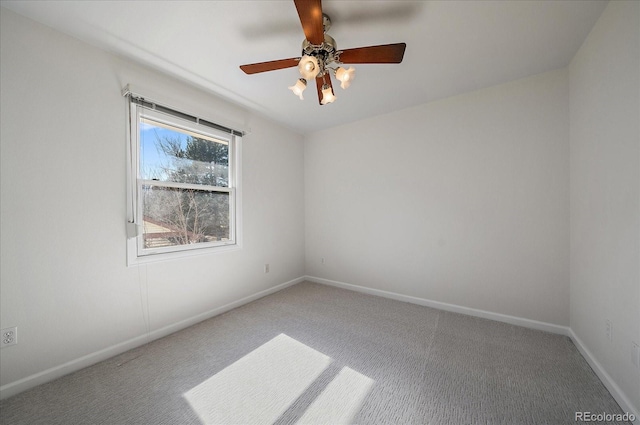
point(452, 46)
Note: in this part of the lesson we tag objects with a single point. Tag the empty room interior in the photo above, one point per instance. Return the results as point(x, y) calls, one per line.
point(280, 212)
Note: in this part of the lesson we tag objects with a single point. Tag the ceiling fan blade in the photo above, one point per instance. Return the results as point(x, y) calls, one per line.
point(386, 53)
point(255, 68)
point(310, 13)
point(319, 84)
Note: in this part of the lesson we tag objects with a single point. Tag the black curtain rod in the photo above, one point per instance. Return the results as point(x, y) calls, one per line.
point(156, 107)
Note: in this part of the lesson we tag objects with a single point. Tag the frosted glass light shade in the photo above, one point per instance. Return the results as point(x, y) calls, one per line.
point(345, 76)
point(327, 95)
point(299, 87)
point(308, 67)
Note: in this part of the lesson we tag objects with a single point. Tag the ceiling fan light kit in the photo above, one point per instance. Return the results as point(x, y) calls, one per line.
point(327, 95)
point(309, 67)
point(345, 76)
point(320, 55)
point(299, 87)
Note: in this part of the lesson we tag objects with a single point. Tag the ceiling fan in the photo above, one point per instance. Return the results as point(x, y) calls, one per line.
point(320, 55)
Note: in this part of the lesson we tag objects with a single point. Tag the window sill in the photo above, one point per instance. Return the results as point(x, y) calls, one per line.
point(134, 260)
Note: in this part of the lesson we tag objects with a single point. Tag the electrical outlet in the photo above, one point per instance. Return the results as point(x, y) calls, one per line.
point(635, 354)
point(608, 329)
point(266, 268)
point(9, 337)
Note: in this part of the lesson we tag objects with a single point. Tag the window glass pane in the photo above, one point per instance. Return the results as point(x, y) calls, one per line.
point(183, 216)
point(171, 154)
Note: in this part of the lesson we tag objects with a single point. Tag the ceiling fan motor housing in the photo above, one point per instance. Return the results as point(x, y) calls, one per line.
point(326, 52)
point(326, 22)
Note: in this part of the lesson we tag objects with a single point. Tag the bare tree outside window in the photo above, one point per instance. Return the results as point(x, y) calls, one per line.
point(197, 213)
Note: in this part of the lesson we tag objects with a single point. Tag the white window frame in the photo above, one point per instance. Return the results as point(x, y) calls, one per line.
point(136, 253)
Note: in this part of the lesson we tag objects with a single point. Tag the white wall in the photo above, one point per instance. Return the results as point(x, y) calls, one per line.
point(64, 279)
point(462, 201)
point(605, 192)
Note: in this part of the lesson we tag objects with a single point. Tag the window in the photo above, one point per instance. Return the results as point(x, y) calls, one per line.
point(183, 183)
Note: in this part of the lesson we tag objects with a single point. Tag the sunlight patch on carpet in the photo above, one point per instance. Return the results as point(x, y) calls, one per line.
point(340, 401)
point(260, 386)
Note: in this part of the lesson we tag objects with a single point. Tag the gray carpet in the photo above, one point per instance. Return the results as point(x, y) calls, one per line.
point(317, 354)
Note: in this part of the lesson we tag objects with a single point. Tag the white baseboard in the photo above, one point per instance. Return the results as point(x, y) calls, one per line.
point(614, 389)
point(513, 320)
point(74, 365)
point(608, 382)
